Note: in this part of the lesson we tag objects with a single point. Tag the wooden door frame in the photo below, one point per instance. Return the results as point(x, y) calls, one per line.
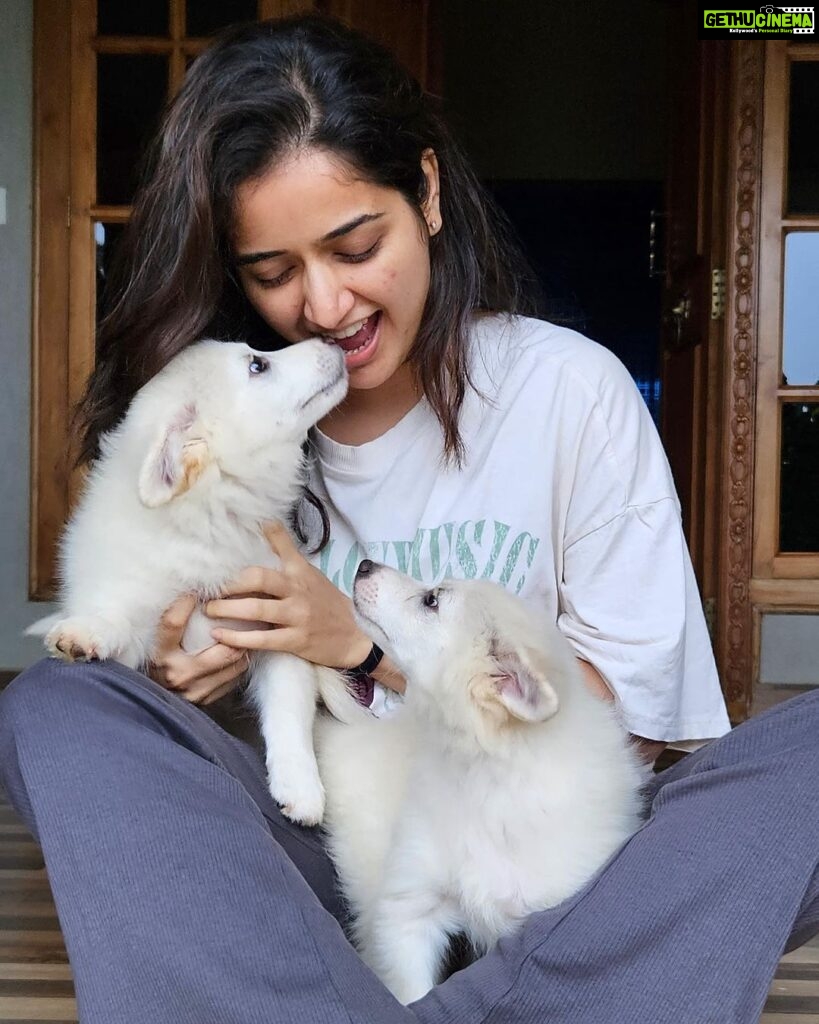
point(735, 619)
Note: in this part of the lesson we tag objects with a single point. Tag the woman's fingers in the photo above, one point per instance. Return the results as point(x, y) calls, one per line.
point(185, 670)
point(247, 609)
point(280, 540)
point(283, 639)
point(220, 691)
point(207, 690)
point(173, 621)
point(256, 579)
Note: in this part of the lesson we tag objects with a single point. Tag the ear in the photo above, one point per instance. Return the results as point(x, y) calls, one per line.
point(525, 693)
point(431, 206)
point(175, 461)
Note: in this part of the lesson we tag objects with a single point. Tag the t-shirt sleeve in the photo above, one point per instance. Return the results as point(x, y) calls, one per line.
point(628, 600)
point(630, 606)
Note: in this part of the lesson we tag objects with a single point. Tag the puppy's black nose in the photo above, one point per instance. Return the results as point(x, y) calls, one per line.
point(365, 568)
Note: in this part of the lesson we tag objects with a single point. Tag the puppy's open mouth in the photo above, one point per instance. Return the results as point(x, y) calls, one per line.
point(323, 392)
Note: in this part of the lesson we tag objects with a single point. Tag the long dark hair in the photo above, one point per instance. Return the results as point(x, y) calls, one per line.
point(259, 93)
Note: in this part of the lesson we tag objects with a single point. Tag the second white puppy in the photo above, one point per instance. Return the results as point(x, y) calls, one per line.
point(500, 788)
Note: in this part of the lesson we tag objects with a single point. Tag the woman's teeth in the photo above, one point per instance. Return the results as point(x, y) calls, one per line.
point(355, 337)
point(348, 332)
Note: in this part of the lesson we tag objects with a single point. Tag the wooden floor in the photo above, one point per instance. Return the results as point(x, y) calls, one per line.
point(35, 979)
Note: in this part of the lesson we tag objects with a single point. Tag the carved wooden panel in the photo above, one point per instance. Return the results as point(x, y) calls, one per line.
point(735, 626)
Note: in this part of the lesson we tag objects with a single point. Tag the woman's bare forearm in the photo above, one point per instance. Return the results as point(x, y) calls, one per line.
point(648, 749)
point(389, 675)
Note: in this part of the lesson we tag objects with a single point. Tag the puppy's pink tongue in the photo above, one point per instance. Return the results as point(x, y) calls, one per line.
point(361, 336)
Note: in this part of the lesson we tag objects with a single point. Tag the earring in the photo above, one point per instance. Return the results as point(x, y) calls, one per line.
point(433, 225)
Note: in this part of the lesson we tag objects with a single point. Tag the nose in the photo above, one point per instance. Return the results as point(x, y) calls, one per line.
point(365, 568)
point(327, 300)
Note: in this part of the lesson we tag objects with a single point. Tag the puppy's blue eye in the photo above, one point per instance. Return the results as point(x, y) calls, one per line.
point(258, 365)
point(430, 600)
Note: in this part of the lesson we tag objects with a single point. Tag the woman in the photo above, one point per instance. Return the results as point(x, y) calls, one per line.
point(302, 183)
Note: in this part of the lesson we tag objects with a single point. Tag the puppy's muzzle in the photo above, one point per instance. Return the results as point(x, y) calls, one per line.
point(365, 586)
point(365, 568)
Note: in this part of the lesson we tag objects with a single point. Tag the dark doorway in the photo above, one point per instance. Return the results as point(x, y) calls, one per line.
point(565, 109)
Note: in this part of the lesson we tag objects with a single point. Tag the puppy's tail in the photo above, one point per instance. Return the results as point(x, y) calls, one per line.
point(337, 697)
point(43, 626)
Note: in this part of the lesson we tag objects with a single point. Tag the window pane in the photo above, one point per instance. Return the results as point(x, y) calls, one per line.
point(146, 18)
point(800, 325)
point(803, 159)
point(799, 491)
point(131, 92)
point(205, 17)
point(106, 237)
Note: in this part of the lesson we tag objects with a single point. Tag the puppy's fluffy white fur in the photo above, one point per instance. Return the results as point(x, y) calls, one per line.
point(499, 789)
point(209, 449)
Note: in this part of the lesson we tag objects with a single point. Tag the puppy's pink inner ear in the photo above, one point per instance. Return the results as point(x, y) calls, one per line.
point(509, 683)
point(525, 694)
point(166, 464)
point(175, 461)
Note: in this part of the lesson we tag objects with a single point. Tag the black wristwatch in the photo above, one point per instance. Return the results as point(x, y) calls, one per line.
point(369, 664)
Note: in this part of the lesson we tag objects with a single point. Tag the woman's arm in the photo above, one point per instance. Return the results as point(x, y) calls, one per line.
point(312, 618)
point(389, 675)
point(649, 750)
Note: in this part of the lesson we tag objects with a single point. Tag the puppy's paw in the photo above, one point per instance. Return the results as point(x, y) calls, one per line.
point(78, 640)
point(300, 796)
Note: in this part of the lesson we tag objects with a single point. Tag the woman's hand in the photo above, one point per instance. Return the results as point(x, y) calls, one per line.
point(313, 619)
point(200, 678)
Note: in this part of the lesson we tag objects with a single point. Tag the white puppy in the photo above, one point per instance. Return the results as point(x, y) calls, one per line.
point(499, 789)
point(210, 448)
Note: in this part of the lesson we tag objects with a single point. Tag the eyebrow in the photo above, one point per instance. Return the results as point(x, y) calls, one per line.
point(345, 229)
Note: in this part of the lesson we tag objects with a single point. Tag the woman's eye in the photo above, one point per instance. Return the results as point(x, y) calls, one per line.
point(274, 282)
point(430, 600)
point(360, 257)
point(258, 365)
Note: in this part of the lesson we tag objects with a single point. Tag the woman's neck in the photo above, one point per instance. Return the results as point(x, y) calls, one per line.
point(366, 414)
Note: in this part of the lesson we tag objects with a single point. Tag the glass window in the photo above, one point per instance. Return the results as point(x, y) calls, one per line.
point(146, 18)
point(131, 92)
point(205, 17)
point(799, 484)
point(803, 157)
point(800, 317)
point(106, 237)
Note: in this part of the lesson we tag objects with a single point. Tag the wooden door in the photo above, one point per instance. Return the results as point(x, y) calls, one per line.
point(691, 323)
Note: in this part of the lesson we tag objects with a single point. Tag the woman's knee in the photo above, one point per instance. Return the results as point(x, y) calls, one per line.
point(53, 691)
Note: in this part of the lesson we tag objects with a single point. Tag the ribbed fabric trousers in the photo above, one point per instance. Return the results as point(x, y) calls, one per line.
point(186, 898)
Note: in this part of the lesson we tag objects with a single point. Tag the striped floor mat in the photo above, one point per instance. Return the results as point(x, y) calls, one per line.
point(35, 979)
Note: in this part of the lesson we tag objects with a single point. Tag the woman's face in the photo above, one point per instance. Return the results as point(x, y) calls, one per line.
point(321, 252)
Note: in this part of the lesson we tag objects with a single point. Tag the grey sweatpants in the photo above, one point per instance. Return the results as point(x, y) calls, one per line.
point(185, 897)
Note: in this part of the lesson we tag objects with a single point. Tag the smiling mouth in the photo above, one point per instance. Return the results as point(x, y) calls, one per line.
point(353, 341)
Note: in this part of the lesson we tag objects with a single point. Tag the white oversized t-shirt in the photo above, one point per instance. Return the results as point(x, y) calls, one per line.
point(565, 498)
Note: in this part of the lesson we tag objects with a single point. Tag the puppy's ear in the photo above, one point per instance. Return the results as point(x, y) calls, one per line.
point(518, 687)
point(175, 461)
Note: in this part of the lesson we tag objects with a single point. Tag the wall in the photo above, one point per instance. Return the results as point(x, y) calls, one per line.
point(15, 334)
